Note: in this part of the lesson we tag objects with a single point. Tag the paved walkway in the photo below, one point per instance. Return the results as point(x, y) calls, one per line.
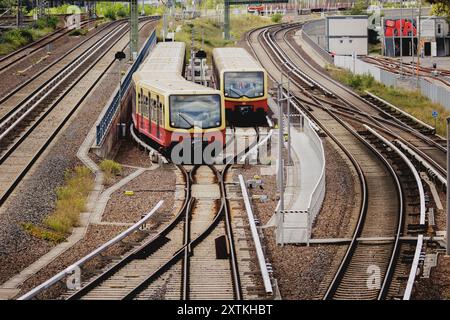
point(302, 177)
point(96, 205)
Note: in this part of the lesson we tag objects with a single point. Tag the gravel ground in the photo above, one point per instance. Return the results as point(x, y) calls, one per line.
point(130, 154)
point(35, 197)
point(437, 287)
point(310, 264)
point(149, 188)
point(38, 62)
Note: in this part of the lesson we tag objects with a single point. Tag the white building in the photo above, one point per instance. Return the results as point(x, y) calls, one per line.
point(346, 35)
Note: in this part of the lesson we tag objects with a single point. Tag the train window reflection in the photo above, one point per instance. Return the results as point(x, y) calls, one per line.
point(187, 111)
point(240, 84)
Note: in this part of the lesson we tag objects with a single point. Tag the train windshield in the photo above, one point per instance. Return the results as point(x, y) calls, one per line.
point(202, 111)
point(244, 84)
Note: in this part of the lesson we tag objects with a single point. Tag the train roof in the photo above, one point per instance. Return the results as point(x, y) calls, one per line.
point(162, 70)
point(235, 59)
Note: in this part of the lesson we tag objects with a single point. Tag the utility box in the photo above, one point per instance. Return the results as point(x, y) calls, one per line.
point(346, 35)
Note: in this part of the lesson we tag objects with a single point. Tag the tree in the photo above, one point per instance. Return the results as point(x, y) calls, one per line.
point(441, 8)
point(359, 7)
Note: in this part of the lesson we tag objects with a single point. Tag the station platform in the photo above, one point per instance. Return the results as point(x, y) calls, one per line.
point(305, 183)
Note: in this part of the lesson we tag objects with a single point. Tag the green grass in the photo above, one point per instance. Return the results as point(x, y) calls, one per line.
point(42, 233)
point(70, 202)
point(375, 48)
point(410, 101)
point(213, 33)
point(78, 32)
point(15, 38)
point(111, 169)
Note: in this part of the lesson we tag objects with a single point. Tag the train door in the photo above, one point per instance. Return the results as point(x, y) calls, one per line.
point(141, 102)
point(150, 103)
point(158, 115)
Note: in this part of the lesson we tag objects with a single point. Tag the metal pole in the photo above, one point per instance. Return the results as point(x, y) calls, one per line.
point(192, 55)
point(289, 117)
point(401, 38)
point(448, 185)
point(412, 35)
point(226, 22)
point(134, 32)
point(419, 45)
point(280, 158)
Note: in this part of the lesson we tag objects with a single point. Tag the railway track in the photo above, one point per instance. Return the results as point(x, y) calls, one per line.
point(376, 240)
point(428, 145)
point(408, 69)
point(28, 128)
point(193, 257)
point(32, 48)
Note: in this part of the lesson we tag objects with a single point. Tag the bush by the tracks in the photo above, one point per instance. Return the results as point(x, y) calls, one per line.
point(411, 101)
point(15, 38)
point(111, 169)
point(78, 32)
point(276, 18)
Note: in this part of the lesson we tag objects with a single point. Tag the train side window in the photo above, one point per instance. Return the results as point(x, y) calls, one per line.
point(161, 114)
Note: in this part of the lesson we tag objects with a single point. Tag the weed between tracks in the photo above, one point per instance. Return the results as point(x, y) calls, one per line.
point(71, 201)
point(412, 102)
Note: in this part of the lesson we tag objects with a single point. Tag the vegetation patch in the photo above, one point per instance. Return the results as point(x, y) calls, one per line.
point(410, 101)
point(212, 31)
point(111, 169)
point(70, 202)
point(78, 32)
point(42, 233)
point(15, 38)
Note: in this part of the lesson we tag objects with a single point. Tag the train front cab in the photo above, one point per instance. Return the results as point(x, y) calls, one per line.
point(245, 95)
point(170, 119)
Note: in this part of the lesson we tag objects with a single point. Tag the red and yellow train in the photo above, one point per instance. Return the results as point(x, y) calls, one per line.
point(167, 108)
point(243, 83)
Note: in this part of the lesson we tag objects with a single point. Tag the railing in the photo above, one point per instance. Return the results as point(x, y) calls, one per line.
point(72, 268)
point(105, 122)
point(256, 241)
point(318, 194)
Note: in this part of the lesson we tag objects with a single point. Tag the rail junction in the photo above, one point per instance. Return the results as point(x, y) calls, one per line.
point(371, 215)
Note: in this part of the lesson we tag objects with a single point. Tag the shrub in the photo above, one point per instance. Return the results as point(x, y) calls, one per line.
point(276, 18)
point(110, 14)
point(122, 12)
point(111, 169)
point(78, 32)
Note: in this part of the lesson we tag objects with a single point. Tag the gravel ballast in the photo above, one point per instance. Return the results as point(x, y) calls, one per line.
point(298, 269)
point(34, 198)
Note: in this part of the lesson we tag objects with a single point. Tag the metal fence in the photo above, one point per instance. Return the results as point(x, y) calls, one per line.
point(435, 92)
point(103, 125)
